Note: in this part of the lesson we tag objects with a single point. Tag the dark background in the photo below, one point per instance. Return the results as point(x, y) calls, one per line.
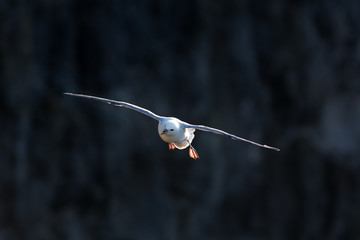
point(283, 73)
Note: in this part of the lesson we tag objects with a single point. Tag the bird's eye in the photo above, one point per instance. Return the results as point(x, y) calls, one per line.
point(171, 129)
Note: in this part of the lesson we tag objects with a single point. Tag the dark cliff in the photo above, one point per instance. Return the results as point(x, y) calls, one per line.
point(283, 74)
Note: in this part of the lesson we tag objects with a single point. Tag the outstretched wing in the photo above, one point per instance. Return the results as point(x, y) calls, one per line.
point(218, 131)
point(120, 104)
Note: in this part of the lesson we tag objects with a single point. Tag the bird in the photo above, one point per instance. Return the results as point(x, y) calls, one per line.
point(178, 134)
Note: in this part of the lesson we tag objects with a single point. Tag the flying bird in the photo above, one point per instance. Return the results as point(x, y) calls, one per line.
point(178, 134)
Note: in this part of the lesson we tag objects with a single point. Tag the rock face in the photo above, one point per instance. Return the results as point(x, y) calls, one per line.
point(284, 74)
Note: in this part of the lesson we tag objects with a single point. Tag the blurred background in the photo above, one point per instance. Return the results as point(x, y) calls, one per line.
point(281, 73)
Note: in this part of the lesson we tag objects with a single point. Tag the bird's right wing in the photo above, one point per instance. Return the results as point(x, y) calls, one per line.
point(120, 104)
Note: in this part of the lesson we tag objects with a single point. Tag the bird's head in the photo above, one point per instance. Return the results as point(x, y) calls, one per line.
point(169, 128)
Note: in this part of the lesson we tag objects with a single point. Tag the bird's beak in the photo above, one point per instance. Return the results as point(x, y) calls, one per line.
point(165, 130)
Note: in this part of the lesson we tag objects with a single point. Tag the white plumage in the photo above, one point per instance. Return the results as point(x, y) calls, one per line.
point(177, 133)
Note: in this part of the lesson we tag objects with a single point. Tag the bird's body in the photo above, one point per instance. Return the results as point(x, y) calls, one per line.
point(178, 134)
point(174, 132)
point(171, 130)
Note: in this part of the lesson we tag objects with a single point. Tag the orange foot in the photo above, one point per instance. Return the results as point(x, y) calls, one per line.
point(193, 153)
point(171, 146)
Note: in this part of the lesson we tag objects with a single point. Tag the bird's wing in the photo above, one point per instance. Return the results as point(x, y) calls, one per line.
point(120, 104)
point(218, 131)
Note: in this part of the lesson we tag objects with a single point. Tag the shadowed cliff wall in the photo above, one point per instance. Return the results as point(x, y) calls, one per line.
point(283, 74)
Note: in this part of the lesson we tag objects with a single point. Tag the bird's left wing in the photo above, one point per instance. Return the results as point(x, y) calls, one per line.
point(234, 137)
point(120, 104)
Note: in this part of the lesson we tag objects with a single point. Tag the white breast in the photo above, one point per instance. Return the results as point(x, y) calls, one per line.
point(176, 133)
point(188, 136)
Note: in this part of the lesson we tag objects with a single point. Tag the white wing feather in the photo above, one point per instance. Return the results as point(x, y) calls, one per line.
point(221, 132)
point(159, 118)
point(120, 104)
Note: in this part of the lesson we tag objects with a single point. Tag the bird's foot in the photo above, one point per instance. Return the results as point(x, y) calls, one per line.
point(193, 153)
point(171, 146)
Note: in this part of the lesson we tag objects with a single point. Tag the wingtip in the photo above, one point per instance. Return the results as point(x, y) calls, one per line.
point(73, 94)
point(272, 148)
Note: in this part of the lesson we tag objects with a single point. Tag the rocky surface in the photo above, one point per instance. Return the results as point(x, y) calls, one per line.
point(285, 74)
